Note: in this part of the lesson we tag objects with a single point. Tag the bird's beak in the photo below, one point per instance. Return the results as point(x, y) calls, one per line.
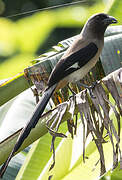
point(110, 20)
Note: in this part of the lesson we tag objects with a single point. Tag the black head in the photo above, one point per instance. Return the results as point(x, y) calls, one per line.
point(102, 19)
point(99, 22)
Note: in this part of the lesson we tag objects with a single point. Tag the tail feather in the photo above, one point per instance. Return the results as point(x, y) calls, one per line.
point(31, 124)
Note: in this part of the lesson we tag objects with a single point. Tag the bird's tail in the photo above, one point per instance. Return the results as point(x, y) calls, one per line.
point(31, 124)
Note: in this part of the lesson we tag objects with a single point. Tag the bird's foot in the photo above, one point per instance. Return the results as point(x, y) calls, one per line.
point(90, 88)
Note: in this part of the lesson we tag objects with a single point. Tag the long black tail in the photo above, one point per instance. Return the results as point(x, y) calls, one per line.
point(31, 124)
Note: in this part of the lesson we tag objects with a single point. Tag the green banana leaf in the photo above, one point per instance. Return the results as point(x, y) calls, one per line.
point(48, 60)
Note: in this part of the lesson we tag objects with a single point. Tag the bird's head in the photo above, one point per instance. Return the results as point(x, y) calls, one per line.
point(102, 20)
point(98, 23)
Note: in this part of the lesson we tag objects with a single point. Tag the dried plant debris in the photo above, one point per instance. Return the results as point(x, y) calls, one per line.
point(57, 118)
point(50, 177)
point(94, 112)
point(95, 117)
point(70, 122)
point(72, 127)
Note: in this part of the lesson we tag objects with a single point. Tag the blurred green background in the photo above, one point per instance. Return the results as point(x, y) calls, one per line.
point(24, 37)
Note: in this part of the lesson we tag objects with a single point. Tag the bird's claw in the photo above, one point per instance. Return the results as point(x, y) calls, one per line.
point(90, 88)
point(91, 92)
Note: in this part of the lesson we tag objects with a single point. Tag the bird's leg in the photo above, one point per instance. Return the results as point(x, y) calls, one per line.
point(90, 88)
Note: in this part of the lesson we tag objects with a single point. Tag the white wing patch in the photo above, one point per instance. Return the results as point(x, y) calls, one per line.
point(74, 66)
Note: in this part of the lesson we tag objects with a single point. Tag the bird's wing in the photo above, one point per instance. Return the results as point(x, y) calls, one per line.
point(72, 63)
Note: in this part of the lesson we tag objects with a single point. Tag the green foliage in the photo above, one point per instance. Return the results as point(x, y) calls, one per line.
point(19, 42)
point(69, 164)
point(38, 156)
point(112, 49)
point(115, 10)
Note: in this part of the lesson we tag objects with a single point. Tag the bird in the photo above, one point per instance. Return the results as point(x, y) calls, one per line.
point(77, 61)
